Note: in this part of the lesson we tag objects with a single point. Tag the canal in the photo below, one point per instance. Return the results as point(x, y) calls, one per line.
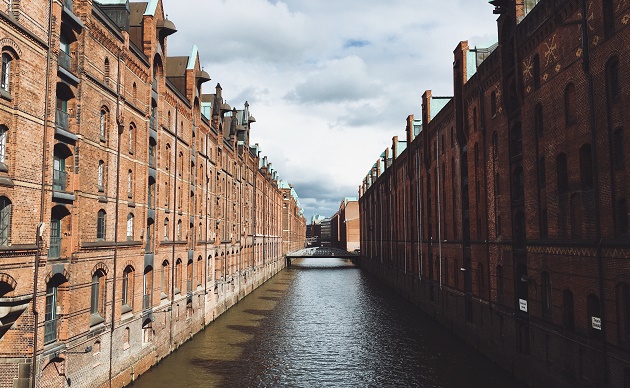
point(324, 323)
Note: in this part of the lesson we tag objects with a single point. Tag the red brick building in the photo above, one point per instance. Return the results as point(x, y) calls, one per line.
point(504, 213)
point(133, 209)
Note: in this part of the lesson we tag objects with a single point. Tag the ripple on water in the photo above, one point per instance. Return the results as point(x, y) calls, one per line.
point(324, 323)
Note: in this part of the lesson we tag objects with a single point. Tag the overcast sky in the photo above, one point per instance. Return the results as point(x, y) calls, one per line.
point(330, 82)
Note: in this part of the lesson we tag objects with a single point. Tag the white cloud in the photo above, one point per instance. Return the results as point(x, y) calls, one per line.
point(338, 80)
point(330, 82)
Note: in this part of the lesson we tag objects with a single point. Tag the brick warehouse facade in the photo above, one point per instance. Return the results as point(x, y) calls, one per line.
point(504, 213)
point(133, 209)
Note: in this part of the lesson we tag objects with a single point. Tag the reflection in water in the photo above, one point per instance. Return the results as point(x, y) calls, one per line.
point(323, 322)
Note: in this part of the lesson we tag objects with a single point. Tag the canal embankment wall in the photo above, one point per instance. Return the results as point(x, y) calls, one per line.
point(536, 357)
point(172, 327)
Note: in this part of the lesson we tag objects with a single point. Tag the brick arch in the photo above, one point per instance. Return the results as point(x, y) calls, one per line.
point(50, 275)
point(6, 278)
point(131, 264)
point(12, 45)
point(100, 266)
point(622, 278)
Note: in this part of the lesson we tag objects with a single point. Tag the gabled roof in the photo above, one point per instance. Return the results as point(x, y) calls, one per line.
point(192, 58)
point(136, 13)
point(151, 8)
point(176, 66)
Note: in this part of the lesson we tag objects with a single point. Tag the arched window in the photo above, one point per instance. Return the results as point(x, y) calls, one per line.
point(50, 317)
point(164, 280)
point(167, 156)
point(130, 227)
point(53, 307)
point(100, 225)
point(166, 229)
point(130, 184)
point(189, 276)
point(97, 302)
point(199, 271)
point(127, 289)
point(178, 276)
point(612, 80)
point(567, 310)
point(106, 72)
point(132, 133)
point(147, 288)
point(5, 74)
point(618, 150)
point(5, 221)
point(134, 93)
point(586, 167)
point(493, 104)
point(545, 293)
point(103, 123)
point(180, 161)
point(561, 173)
point(3, 143)
point(569, 105)
point(179, 230)
point(101, 175)
point(495, 145)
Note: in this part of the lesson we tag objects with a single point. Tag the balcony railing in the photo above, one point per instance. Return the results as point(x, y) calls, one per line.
point(154, 85)
point(50, 331)
point(146, 301)
point(151, 161)
point(65, 61)
point(61, 119)
point(54, 250)
point(59, 180)
point(152, 123)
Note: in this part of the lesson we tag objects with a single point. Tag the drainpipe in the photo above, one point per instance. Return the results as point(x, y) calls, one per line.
point(42, 198)
point(439, 209)
point(115, 269)
point(205, 246)
point(598, 233)
point(419, 218)
point(482, 113)
point(174, 229)
point(405, 217)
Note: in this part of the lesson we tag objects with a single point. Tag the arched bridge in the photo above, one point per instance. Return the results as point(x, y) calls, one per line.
point(320, 252)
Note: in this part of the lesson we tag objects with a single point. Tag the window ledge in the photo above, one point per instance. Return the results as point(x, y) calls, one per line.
point(5, 95)
point(125, 309)
point(95, 319)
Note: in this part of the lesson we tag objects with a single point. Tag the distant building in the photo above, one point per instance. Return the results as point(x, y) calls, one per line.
point(326, 233)
point(314, 231)
point(349, 225)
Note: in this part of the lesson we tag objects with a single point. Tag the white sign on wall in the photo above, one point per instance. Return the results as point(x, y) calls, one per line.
point(522, 304)
point(596, 323)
